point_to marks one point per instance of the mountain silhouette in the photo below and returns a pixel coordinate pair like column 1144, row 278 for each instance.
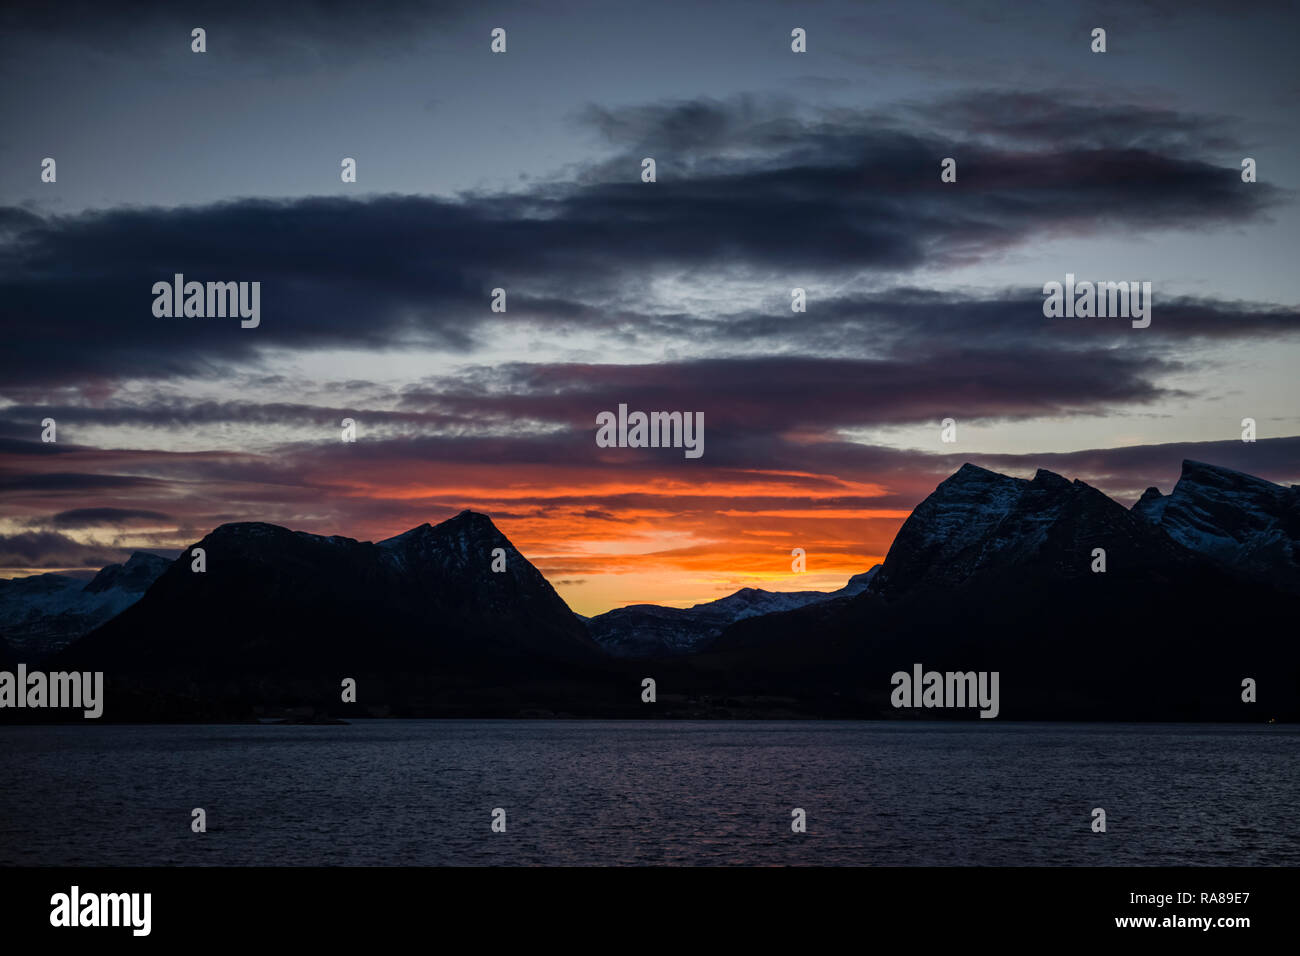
column 999, row 573
column 420, row 618
column 1087, row 610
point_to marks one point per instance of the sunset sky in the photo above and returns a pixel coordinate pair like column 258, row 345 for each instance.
column 522, row 170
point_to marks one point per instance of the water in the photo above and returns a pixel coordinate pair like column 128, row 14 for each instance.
column 663, row 792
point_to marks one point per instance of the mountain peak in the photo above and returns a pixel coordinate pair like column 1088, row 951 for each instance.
column 1233, row 518
column 980, row 523
column 470, row 519
column 1050, row 479
column 1203, row 473
column 1151, row 505
column 473, row 523
column 1192, row 466
column 411, row 534
column 139, row 571
column 968, row 472
column 247, row 527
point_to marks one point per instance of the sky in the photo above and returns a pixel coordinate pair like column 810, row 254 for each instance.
column 522, row 170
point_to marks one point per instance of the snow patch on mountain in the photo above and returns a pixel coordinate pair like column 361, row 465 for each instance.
column 46, row 612
column 1232, row 518
column 649, row 630
column 979, row 523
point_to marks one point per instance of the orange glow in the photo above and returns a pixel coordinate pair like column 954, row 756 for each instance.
column 604, row 536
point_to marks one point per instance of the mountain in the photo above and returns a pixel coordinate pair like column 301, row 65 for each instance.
column 989, row 573
column 419, row 620
column 979, row 524
column 450, row 565
column 46, row 612
column 134, row 577
column 1237, row 520
column 651, row 631
column 996, row 573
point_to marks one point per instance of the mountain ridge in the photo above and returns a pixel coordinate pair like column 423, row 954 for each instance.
column 653, row 630
column 988, row 572
column 1232, row 518
column 998, row 573
column 44, row 613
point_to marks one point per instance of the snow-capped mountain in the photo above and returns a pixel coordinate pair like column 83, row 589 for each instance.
column 278, row 603
column 459, row 554
column 996, row 573
column 978, row 522
column 649, row 630
column 1237, row 520
column 46, row 612
column 990, row 572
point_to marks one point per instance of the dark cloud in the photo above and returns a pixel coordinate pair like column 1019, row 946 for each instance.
column 111, row 517
column 21, row 446
column 908, row 320
column 181, row 414
column 763, row 394
column 1056, row 120
column 49, row 549
column 771, row 394
column 71, row 481
column 738, row 190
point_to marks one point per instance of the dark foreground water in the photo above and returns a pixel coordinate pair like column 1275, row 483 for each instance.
column 588, row 792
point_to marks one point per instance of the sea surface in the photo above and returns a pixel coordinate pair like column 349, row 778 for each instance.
column 422, row 792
